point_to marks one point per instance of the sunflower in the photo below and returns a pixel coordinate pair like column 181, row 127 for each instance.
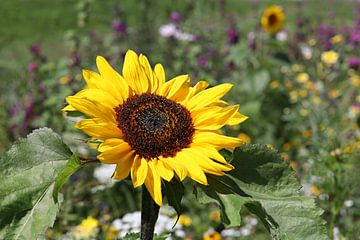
column 154, row 129
column 272, row 19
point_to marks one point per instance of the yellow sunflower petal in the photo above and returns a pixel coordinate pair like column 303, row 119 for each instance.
column 210, row 151
column 123, row 168
column 176, row 89
column 201, row 85
column 179, row 168
column 99, row 129
column 237, row 119
column 153, row 184
column 213, row 118
column 139, row 171
column 115, row 154
column 217, row 140
column 110, row 143
column 92, row 108
column 194, row 171
column 98, row 95
column 164, row 170
column 153, row 80
column 113, row 79
column 160, row 73
column 134, row 74
column 92, row 79
column 208, row 165
column 208, row 96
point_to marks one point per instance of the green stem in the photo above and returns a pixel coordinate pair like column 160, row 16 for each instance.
column 149, row 215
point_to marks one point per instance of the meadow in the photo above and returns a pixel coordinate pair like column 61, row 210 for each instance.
column 295, row 71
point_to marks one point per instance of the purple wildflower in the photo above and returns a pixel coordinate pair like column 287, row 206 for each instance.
column 119, row 26
column 203, row 61
column 354, row 62
column 75, row 59
column 32, row 67
column 35, row 49
column 176, row 17
column 232, row 35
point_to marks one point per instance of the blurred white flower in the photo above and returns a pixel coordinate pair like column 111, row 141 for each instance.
column 168, row 30
column 231, row 233
column 306, row 52
column 183, row 36
column 282, row 36
column 171, row 30
column 349, row 203
column 104, row 172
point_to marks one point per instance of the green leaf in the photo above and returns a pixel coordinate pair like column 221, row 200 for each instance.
column 174, row 191
column 264, row 183
column 28, row 174
column 131, row 236
column 71, row 166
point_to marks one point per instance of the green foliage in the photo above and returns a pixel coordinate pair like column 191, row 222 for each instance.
column 70, row 167
column 264, row 183
column 174, row 192
column 28, row 177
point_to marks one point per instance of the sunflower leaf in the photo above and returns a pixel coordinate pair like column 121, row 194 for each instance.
column 174, row 191
column 264, row 183
column 28, row 174
column 71, row 166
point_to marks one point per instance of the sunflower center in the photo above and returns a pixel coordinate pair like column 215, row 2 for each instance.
column 154, row 126
column 272, row 19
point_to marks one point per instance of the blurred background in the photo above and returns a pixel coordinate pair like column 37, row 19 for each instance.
column 295, row 71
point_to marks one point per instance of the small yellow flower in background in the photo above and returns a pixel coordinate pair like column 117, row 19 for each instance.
column 297, row 68
column 285, row 156
column 274, row 84
column 355, row 80
column 316, row 100
column 315, row 190
column 270, row 146
column 294, row 165
column 336, row 39
column 293, row 96
column 287, row 145
column 304, row 112
column 312, row 41
column 303, row 93
column 212, row 236
column 86, row 229
column 152, row 129
column 111, row 233
column 289, row 85
column 333, row 94
column 185, row 220
column 244, row 138
column 273, row 19
column 78, row 77
column 306, row 133
column 302, row 77
column 64, row 80
column 215, row 215
column 329, row 57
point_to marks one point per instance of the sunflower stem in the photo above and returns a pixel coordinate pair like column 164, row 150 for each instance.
column 149, row 215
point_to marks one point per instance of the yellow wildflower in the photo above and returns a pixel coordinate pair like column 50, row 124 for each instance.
column 64, row 80
column 244, row 138
column 211, row 236
column 336, row 39
column 329, row 57
column 86, row 229
column 302, row 77
column 185, row 220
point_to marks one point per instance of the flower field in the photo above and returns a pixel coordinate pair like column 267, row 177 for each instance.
column 210, row 120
